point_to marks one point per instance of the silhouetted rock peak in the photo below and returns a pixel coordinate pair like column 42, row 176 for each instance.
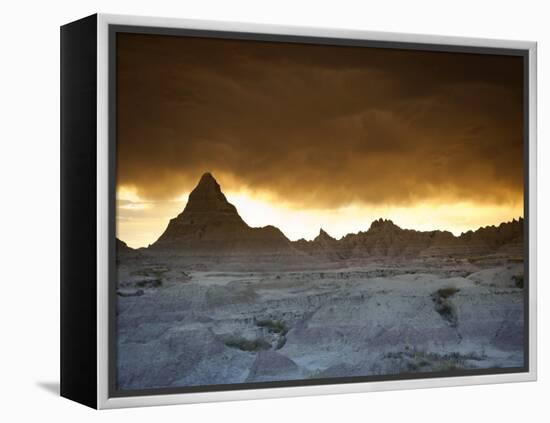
column 210, row 223
column 208, row 182
column 122, row 247
column 208, row 197
column 383, row 225
column 323, row 236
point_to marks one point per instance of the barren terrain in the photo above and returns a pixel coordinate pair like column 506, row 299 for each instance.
column 182, row 327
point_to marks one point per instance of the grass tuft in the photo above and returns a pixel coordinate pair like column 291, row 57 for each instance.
column 442, row 305
column 518, row 281
column 244, row 344
column 273, row 326
column 447, row 292
column 149, row 283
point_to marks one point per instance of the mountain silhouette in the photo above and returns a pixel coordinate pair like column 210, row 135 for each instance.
column 385, row 239
column 209, row 223
column 122, row 247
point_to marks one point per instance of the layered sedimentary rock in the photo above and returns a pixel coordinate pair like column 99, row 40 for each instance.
column 385, row 239
column 323, row 246
column 210, row 224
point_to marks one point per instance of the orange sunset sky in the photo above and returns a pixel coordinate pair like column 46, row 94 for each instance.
column 306, row 136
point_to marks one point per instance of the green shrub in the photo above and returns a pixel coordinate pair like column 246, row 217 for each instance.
column 518, row 280
column 157, row 271
column 446, row 311
column 447, row 292
column 149, row 283
column 281, row 343
column 244, row 344
column 273, row 326
column 442, row 305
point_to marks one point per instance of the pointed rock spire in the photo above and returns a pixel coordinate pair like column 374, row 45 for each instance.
column 323, row 236
column 208, row 197
column 210, row 223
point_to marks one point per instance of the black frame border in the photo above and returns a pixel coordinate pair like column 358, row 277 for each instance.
column 78, row 211
column 114, row 29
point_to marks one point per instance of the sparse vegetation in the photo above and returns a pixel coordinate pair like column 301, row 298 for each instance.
column 518, row 281
column 421, row 361
column 281, row 342
column 316, row 374
column 185, row 277
column 446, row 311
column 447, row 292
column 244, row 344
column 442, row 305
column 273, row 326
column 156, row 271
column 149, row 283
column 137, row 293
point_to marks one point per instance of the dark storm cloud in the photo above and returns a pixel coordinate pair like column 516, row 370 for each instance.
column 317, row 125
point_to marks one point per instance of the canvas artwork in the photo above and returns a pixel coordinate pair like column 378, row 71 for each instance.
column 298, row 213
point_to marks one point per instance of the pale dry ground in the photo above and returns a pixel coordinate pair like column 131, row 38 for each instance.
column 184, row 327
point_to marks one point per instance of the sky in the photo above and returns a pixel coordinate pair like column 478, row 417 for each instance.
column 305, row 136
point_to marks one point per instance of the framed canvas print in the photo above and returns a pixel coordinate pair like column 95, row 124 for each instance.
column 253, row 211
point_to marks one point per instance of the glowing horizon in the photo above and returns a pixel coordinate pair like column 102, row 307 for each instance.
column 140, row 222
